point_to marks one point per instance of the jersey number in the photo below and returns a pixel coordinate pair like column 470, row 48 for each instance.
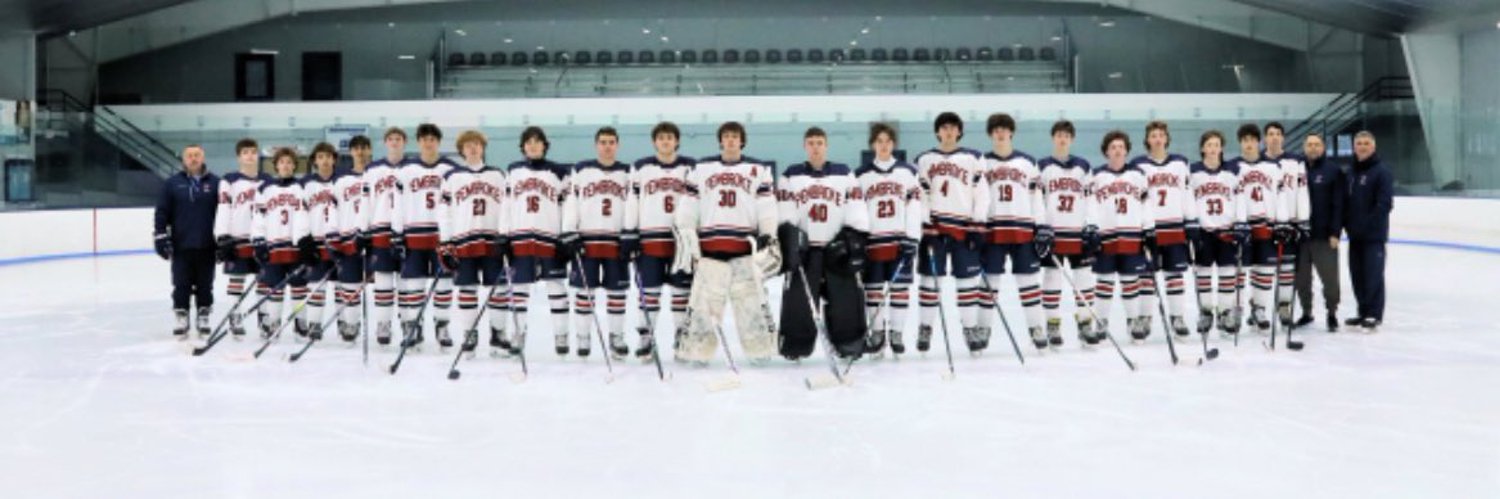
column 533, row 204
column 726, row 199
column 668, row 204
column 944, row 188
column 886, row 209
column 1005, row 193
column 1065, row 204
column 818, row 213
column 1256, row 196
column 607, row 207
column 431, row 202
column 356, row 207
column 479, row 207
column 1215, row 207
column 286, row 217
column 1161, row 197
column 1122, row 206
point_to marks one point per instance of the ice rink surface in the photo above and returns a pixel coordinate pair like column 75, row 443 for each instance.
column 98, row 401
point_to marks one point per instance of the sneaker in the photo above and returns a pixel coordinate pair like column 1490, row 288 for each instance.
column 646, row 346
column 897, row 346
column 180, row 326
column 202, row 321
column 924, row 338
column 617, row 345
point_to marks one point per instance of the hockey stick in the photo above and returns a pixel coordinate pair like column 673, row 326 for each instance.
column 646, row 317
column 885, row 290
column 520, row 344
column 364, row 308
column 1239, row 269
column 291, row 317
column 1068, row 274
column 995, row 295
column 1161, row 305
column 471, row 332
column 295, row 356
column 598, row 330
column 1276, row 298
column 248, row 291
column 408, row 338
column 822, row 327
column 220, row 333
column 942, row 315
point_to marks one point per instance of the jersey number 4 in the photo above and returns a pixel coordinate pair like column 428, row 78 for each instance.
column 818, row 213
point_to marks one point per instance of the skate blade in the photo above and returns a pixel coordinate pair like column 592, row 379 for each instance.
column 824, row 382
column 726, row 383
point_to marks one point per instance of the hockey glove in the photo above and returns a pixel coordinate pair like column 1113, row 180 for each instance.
column 1148, row 239
column 307, row 250
column 331, row 244
column 793, row 241
column 630, row 245
column 164, row 246
column 1241, row 234
column 447, row 254
column 1043, row 240
column 908, row 248
column 262, row 252
column 224, row 248
column 502, row 248
column 1193, row 231
column 1284, row 233
column 1092, row 243
column 398, row 246
column 361, row 242
column 571, row 245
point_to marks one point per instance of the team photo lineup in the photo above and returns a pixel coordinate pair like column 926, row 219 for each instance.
column 400, row 238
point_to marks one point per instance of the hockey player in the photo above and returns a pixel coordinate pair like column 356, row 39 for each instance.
column 1220, row 212
column 594, row 225
column 1126, row 226
column 657, row 184
column 322, row 221
column 348, row 242
column 232, row 223
column 382, row 196
column 537, row 190
column 280, row 236
column 729, row 205
column 893, row 199
column 1016, row 203
column 419, row 181
column 957, row 200
column 1260, row 183
column 1293, row 225
column 1067, row 234
column 470, row 225
column 823, row 200
column 1168, row 196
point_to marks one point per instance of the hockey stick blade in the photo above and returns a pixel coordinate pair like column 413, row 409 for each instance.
column 824, row 381
column 722, row 384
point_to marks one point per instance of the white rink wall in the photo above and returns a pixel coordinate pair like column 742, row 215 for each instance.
column 52, row 234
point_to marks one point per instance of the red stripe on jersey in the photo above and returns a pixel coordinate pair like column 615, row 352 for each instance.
column 1261, row 232
column 726, row 245
column 244, row 251
column 1170, row 237
column 601, row 249
column 381, row 240
column 883, row 252
column 534, row 248
column 284, row 256
column 659, row 248
column 475, row 249
column 1010, row 235
column 1122, row 246
column 428, row 241
column 1068, row 247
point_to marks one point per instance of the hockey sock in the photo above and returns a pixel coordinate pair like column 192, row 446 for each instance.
column 468, row 307
column 1145, row 294
column 1176, row 293
column 616, row 308
column 583, row 311
column 929, row 298
column 412, row 297
column 970, row 294
column 1083, row 277
column 1030, row 291
column 499, row 306
column 679, row 306
column 1205, row 286
column 385, row 296
column 442, row 299
column 987, row 300
column 874, row 312
column 557, row 298
column 1052, row 283
column 1260, row 280
column 1130, row 297
column 651, row 304
column 1104, row 291
column 1227, row 283
column 900, row 301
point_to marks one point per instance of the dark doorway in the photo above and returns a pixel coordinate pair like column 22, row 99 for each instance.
column 322, row 76
column 254, row 77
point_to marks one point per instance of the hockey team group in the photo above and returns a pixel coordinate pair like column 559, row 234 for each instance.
column 421, row 232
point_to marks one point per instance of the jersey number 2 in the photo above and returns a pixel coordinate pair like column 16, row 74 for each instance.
column 886, row 209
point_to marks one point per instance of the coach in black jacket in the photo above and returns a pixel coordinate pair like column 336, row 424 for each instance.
column 184, row 234
column 1326, row 188
column 1367, row 220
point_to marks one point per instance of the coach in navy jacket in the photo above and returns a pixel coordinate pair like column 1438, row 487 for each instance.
column 184, row 234
column 1367, row 220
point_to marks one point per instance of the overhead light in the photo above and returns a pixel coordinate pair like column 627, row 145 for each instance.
column 1116, row 75
column 406, row 57
column 461, row 32
column 1056, row 38
column 390, row 25
column 539, row 47
column 878, row 18
column 507, row 40
column 665, row 39
column 72, row 33
column 854, row 43
column 864, row 31
column 1107, row 24
column 645, row 31
column 265, row 51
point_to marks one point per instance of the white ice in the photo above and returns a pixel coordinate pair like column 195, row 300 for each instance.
column 98, row 401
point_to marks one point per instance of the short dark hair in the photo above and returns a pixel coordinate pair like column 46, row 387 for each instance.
column 359, row 141
column 733, row 127
column 948, row 118
column 878, row 128
column 1248, row 130
column 1158, row 125
column 1000, row 120
column 1064, row 126
column 324, row 147
column 1112, row 136
column 814, row 132
column 245, row 143
column 1203, row 140
column 1312, row 134
column 666, row 127
column 429, row 130
column 1276, row 125
column 395, row 130
column 534, row 132
column 606, row 130
column 283, row 152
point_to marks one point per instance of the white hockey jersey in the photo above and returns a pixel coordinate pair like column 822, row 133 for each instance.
column 280, row 219
column 352, row 208
column 727, row 203
column 1294, row 194
column 597, row 207
column 893, row 202
column 421, row 187
column 655, row 190
column 954, row 191
column 1217, row 204
column 534, row 205
column 1168, row 196
column 472, row 214
column 821, row 202
column 237, row 208
column 382, row 195
column 1260, row 184
column 1016, row 202
column 1119, row 208
column 1065, row 193
column 322, row 210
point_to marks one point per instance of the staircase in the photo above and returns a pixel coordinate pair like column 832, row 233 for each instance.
column 140, row 148
column 92, row 157
column 1349, row 112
